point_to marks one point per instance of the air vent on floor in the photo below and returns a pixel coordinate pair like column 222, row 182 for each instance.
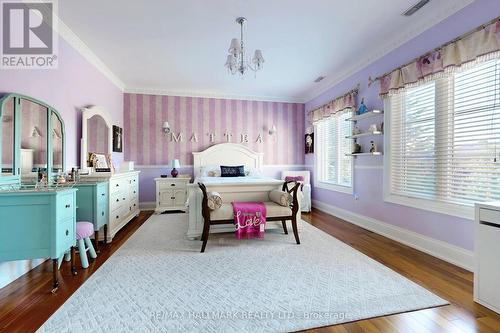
column 319, row 79
column 412, row 10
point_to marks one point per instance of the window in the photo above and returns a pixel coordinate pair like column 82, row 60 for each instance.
column 444, row 140
column 333, row 164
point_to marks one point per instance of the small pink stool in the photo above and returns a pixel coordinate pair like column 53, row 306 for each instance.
column 83, row 232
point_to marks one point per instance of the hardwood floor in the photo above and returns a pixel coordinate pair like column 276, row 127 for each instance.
column 27, row 302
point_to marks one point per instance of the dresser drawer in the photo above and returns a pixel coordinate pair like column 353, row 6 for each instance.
column 66, row 234
column 66, row 206
column 118, row 185
column 171, row 185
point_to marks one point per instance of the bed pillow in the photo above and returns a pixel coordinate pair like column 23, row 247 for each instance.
column 214, row 200
column 210, row 171
column 282, row 198
column 232, row 171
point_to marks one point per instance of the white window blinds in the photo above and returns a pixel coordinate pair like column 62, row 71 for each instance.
column 444, row 137
column 333, row 166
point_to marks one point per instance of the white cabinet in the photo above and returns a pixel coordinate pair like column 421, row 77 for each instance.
column 123, row 202
column 171, row 194
column 487, row 249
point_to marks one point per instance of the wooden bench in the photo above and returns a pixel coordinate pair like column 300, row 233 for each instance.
column 274, row 212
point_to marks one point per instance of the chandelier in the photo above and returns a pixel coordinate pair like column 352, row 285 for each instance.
column 236, row 62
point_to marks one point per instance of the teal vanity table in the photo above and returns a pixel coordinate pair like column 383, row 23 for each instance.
column 35, row 222
column 92, row 198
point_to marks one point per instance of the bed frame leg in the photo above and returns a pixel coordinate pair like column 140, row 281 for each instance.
column 295, row 230
column 283, row 223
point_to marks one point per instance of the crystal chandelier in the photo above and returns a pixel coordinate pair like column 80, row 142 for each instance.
column 236, row 62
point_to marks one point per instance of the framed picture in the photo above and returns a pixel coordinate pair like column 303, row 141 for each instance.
column 309, row 143
column 100, row 162
column 117, row 139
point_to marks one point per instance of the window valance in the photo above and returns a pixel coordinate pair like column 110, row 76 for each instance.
column 481, row 44
column 340, row 103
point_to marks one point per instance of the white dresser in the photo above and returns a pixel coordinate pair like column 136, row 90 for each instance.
column 487, row 255
column 171, row 194
column 123, row 203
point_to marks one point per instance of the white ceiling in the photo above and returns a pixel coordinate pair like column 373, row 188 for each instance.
column 179, row 47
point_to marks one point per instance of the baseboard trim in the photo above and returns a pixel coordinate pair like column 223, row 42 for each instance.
column 147, row 205
column 436, row 248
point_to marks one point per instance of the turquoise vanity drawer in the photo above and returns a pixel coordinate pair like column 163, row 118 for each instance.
column 102, row 215
column 65, row 234
column 65, row 206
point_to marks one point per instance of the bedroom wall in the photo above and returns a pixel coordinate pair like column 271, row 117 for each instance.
column 147, row 145
column 368, row 171
column 75, row 84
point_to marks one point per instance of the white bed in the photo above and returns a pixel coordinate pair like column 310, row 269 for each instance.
column 249, row 188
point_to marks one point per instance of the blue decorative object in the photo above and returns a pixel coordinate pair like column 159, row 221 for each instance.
column 362, row 107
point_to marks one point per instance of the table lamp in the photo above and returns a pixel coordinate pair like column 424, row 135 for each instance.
column 175, row 165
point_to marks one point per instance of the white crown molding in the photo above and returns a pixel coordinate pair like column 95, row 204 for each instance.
column 187, row 166
column 385, row 49
column 436, row 248
column 212, row 94
column 84, row 50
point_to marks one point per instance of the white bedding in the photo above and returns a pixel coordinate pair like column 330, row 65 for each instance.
column 236, row 180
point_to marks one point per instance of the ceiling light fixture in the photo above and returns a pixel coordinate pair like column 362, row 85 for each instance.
column 236, row 62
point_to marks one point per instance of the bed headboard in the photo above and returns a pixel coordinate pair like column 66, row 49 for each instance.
column 227, row 154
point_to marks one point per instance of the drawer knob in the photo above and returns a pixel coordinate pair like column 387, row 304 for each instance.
column 134, row 205
column 117, row 216
column 172, row 197
column 130, row 208
column 123, row 198
column 67, row 232
column 117, row 185
column 102, row 213
column 117, row 200
column 68, row 205
column 134, row 192
column 172, row 184
column 103, row 194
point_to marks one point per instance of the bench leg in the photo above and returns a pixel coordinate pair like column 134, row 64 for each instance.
column 295, row 230
column 204, row 236
column 283, row 223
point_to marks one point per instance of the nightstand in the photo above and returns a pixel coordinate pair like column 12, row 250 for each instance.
column 171, row 194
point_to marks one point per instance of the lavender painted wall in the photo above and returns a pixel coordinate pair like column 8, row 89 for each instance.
column 368, row 172
column 147, row 145
column 75, row 84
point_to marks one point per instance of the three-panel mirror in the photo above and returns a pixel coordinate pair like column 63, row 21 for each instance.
column 32, row 138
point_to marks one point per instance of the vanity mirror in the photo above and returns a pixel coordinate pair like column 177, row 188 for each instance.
column 32, row 138
column 96, row 143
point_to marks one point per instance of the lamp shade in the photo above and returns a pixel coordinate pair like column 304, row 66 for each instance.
column 258, row 56
column 235, row 47
column 175, row 164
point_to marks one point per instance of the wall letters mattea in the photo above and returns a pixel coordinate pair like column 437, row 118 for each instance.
column 227, row 137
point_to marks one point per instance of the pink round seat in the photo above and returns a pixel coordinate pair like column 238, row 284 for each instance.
column 84, row 230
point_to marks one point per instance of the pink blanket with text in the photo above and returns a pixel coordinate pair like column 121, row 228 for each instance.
column 249, row 219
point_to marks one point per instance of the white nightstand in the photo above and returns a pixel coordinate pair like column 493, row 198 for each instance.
column 171, row 194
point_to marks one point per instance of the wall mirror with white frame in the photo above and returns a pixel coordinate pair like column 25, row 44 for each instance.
column 96, row 134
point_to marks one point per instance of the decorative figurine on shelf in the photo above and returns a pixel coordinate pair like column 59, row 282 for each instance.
column 362, row 107
column 373, row 147
column 356, row 130
column 175, row 165
column 356, row 147
column 374, row 128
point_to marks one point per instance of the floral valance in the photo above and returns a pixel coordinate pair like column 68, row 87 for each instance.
column 473, row 46
column 337, row 105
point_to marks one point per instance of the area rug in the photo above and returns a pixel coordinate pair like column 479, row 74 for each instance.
column 159, row 282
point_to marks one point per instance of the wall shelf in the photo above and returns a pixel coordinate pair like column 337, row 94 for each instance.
column 366, row 115
column 364, row 134
column 378, row 153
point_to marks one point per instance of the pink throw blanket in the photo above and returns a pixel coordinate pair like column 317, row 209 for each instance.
column 249, row 219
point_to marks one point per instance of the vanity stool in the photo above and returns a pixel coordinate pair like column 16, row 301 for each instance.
column 83, row 232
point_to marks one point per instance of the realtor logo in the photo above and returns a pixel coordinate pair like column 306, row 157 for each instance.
column 29, row 38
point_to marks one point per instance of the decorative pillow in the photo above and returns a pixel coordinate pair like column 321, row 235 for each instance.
column 282, row 198
column 251, row 171
column 210, row 171
column 232, row 171
column 214, row 200
column 294, row 179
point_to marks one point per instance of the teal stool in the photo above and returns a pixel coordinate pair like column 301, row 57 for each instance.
column 83, row 232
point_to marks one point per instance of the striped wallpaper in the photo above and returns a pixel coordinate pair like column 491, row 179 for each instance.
column 146, row 144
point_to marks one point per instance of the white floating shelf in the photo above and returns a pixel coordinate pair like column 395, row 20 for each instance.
column 364, row 134
column 370, row 114
column 378, row 153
